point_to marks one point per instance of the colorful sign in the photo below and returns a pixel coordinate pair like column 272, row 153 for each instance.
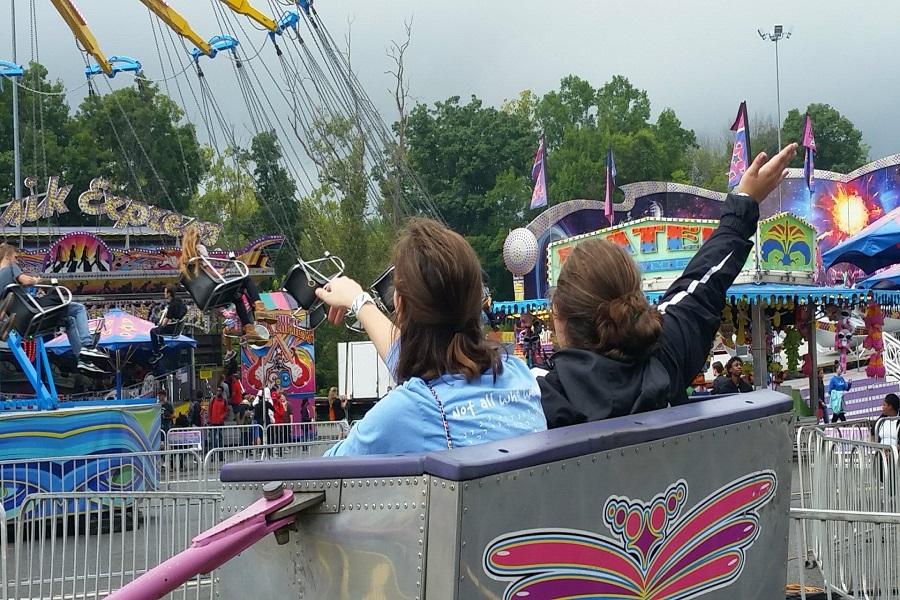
column 787, row 243
column 35, row 445
column 126, row 212
column 288, row 359
column 97, row 200
column 662, row 548
column 662, row 248
column 78, row 253
column 87, row 265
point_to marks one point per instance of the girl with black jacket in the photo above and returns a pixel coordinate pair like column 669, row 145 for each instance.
column 619, row 354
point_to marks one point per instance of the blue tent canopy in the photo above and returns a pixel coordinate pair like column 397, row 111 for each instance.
column 889, row 279
column 875, row 247
column 752, row 292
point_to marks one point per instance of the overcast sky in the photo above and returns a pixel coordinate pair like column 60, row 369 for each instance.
column 698, row 57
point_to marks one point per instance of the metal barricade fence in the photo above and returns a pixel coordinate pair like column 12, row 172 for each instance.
column 316, row 431
column 216, row 458
column 230, row 436
column 856, row 555
column 212, row 436
column 859, row 429
column 87, row 544
column 4, row 589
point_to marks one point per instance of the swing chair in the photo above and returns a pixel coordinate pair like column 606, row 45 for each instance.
column 213, row 287
column 26, row 316
column 304, row 279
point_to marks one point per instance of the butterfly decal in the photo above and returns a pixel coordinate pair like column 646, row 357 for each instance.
column 658, row 551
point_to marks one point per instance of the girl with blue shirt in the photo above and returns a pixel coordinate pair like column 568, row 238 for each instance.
column 455, row 388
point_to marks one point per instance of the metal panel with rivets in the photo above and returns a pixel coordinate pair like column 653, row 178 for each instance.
column 366, row 540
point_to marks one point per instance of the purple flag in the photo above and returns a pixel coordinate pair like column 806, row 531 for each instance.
column 610, row 187
column 539, row 176
column 809, row 142
column 740, row 156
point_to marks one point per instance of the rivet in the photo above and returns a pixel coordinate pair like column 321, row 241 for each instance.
column 452, row 487
column 443, row 484
column 381, row 506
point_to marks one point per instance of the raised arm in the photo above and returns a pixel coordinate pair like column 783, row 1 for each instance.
column 692, row 306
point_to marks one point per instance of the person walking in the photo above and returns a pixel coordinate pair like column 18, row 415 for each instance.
column 837, row 387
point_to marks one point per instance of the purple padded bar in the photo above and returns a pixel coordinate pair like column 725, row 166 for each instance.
column 483, row 460
column 339, row 467
column 493, row 458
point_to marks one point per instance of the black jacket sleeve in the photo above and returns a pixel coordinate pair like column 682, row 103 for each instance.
column 692, row 306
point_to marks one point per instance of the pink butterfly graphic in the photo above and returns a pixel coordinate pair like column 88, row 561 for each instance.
column 658, row 552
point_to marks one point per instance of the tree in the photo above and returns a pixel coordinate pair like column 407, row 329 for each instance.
column 839, row 144
column 275, row 192
column 135, row 137
column 44, row 122
column 622, row 108
column 460, row 150
column 228, row 198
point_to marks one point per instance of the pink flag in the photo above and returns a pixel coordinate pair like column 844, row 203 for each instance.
column 539, row 176
column 740, row 156
column 610, row 187
column 809, row 142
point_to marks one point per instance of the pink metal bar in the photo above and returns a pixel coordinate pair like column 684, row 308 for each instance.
column 209, row 550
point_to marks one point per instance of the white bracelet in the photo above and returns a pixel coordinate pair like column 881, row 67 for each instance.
column 361, row 300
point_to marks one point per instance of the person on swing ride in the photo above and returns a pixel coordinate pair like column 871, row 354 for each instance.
column 77, row 329
column 192, row 248
column 455, row 388
column 619, row 355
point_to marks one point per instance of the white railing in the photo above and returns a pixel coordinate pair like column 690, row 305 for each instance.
column 4, row 589
column 891, row 356
column 859, row 479
column 88, row 544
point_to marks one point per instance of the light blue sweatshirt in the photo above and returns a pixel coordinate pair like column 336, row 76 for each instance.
column 408, row 420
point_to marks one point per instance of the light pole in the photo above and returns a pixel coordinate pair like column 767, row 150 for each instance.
column 776, row 35
column 17, row 158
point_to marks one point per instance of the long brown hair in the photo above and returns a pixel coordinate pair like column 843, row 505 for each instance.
column 598, row 297
column 438, row 280
column 189, row 242
column 7, row 252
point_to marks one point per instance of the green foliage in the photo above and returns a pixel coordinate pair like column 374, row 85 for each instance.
column 229, row 198
column 838, row 143
column 275, row 193
column 134, row 137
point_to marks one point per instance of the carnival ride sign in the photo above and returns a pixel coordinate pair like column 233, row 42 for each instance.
column 36, row 206
column 662, row 248
column 99, row 200
column 96, row 201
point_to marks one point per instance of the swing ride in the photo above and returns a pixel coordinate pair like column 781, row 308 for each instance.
column 506, row 519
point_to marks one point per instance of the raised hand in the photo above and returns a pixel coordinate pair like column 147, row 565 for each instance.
column 764, row 174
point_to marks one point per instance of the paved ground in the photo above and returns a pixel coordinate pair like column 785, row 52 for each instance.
column 813, row 576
